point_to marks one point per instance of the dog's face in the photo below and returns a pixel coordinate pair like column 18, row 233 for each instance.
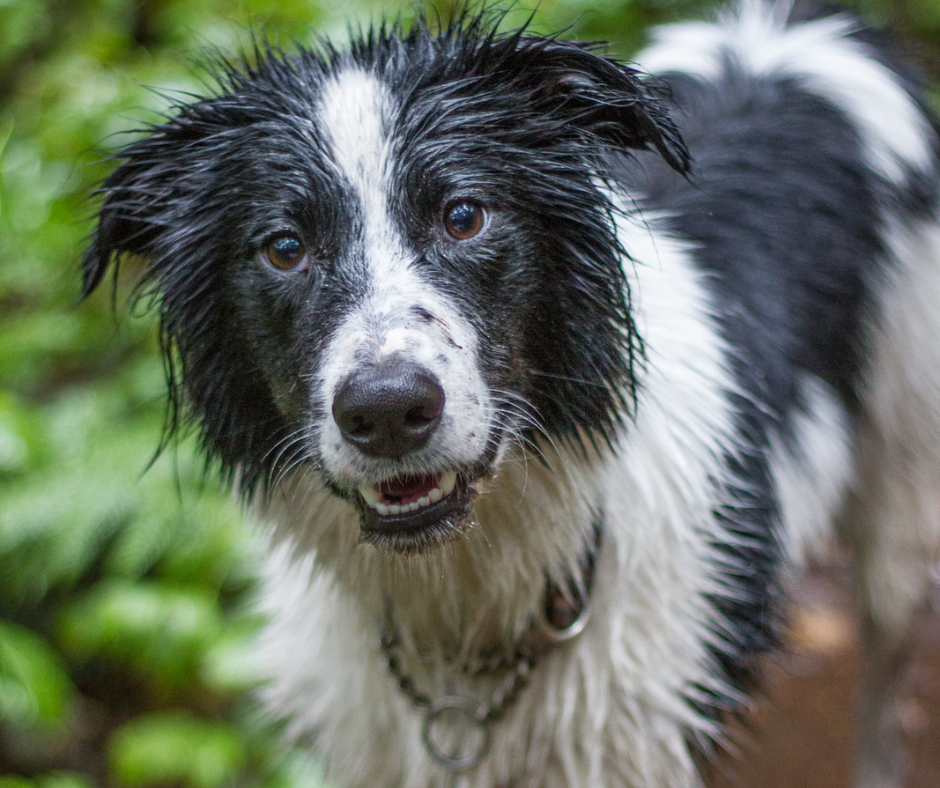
column 389, row 264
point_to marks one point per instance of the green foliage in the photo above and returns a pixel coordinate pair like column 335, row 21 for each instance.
column 35, row 689
column 175, row 748
column 125, row 585
column 49, row 780
column 158, row 630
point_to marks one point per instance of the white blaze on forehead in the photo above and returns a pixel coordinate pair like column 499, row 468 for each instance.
column 354, row 110
column 357, row 113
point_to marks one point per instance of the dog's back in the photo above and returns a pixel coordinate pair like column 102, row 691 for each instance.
column 814, row 212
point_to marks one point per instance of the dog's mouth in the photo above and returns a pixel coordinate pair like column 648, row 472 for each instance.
column 408, row 495
column 411, row 512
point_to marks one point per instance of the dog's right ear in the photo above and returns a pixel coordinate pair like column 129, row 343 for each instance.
column 139, row 199
column 117, row 231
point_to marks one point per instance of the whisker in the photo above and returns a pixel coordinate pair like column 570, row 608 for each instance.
column 581, row 381
column 524, row 413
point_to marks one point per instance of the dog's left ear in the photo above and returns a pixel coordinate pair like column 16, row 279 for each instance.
column 610, row 103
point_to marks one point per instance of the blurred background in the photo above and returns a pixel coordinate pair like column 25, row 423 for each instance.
column 125, row 583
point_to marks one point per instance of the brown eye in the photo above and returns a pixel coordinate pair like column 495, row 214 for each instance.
column 286, row 252
column 463, row 219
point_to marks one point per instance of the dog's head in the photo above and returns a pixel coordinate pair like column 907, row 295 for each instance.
column 390, row 263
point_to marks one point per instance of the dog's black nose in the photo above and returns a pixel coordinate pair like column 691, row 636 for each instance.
column 389, row 410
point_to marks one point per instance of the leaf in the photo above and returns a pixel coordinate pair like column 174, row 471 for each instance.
column 175, row 748
column 14, row 781
column 35, row 690
column 21, row 440
column 157, row 630
column 62, row 780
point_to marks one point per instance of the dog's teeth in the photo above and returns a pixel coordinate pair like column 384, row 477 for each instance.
column 370, row 494
column 447, row 483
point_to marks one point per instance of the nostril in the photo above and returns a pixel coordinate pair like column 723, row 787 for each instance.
column 360, row 426
column 420, row 416
column 429, row 401
column 389, row 410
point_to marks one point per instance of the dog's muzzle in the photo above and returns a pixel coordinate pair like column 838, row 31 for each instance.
column 391, row 411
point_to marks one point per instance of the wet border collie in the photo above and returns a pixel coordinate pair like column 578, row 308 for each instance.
column 547, row 370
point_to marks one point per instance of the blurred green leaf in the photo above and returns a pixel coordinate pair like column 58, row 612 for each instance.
column 175, row 748
column 21, row 22
column 63, row 780
column 230, row 663
column 13, row 781
column 35, row 690
column 51, row 780
column 160, row 631
column 22, row 443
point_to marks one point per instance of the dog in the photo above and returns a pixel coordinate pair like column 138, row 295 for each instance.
column 548, row 372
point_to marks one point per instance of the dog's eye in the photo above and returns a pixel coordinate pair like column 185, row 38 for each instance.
column 286, row 253
column 463, row 219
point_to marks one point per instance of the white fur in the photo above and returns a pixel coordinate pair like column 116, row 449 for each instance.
column 896, row 519
column 894, row 132
column 812, row 473
column 355, row 111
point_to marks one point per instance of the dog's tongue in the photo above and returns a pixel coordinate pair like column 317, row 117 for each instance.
column 407, row 490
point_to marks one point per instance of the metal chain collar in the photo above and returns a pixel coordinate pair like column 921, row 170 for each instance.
column 563, row 616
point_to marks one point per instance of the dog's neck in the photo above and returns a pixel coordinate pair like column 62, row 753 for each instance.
column 478, row 593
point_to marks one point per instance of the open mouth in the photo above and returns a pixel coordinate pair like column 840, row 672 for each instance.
column 402, row 496
column 410, row 512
